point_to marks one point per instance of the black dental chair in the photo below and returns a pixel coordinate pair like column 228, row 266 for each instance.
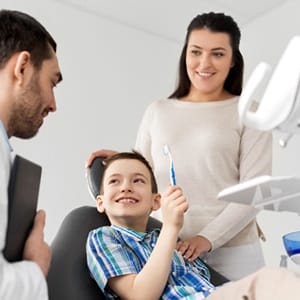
column 69, row 278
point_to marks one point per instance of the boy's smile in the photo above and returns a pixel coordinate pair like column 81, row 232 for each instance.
column 127, row 200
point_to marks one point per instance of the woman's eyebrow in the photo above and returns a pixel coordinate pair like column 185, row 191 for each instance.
column 212, row 49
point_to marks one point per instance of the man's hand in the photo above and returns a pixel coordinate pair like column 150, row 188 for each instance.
column 36, row 249
column 193, row 247
column 99, row 153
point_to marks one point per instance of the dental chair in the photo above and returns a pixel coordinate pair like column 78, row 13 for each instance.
column 69, row 277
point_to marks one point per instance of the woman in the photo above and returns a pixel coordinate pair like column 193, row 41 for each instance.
column 211, row 149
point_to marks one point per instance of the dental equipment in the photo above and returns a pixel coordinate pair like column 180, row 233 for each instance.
column 279, row 109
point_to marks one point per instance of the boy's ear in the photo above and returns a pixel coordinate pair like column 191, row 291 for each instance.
column 99, row 202
column 156, row 202
column 23, row 61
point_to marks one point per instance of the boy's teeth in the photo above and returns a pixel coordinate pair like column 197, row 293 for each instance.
column 127, row 200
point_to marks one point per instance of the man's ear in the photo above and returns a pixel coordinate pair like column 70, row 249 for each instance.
column 156, row 201
column 23, row 61
column 99, row 202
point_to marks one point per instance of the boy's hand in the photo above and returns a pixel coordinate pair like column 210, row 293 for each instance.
column 173, row 205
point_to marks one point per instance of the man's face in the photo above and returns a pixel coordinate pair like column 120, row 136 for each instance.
column 35, row 100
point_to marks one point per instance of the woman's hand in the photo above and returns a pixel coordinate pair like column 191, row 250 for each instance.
column 193, row 247
column 99, row 153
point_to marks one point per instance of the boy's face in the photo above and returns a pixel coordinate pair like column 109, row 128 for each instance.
column 127, row 194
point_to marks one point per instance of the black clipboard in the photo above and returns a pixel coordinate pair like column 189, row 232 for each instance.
column 23, row 191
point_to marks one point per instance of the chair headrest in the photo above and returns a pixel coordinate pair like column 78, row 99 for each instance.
column 94, row 176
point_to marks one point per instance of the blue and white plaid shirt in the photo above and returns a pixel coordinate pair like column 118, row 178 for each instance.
column 113, row 251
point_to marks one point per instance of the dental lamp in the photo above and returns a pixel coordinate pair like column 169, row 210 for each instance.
column 279, row 107
column 279, row 110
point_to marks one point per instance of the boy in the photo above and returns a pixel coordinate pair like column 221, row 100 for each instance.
column 127, row 261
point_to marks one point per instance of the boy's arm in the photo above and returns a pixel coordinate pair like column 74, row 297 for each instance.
column 150, row 282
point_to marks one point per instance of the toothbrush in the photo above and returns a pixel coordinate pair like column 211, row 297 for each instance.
column 166, row 151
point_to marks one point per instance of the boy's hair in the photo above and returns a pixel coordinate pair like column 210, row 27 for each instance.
column 130, row 155
column 21, row 32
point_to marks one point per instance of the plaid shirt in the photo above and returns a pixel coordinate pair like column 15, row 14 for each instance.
column 113, row 251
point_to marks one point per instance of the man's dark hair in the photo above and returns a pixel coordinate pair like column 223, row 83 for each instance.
column 131, row 155
column 21, row 32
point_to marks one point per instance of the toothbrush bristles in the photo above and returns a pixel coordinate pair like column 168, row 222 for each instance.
column 167, row 152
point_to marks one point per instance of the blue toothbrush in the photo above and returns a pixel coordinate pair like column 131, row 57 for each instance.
column 166, row 151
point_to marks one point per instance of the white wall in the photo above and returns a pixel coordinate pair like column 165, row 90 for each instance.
column 265, row 40
column 111, row 73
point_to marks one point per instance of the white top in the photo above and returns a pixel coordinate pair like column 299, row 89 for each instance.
column 211, row 150
column 22, row 280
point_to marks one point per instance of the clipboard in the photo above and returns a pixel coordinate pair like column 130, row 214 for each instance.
column 23, row 191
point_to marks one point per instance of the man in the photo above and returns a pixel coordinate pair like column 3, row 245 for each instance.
column 29, row 71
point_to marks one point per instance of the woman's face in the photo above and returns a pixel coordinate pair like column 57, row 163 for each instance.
column 208, row 62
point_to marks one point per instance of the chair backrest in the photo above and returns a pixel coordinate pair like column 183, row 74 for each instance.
column 69, row 277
